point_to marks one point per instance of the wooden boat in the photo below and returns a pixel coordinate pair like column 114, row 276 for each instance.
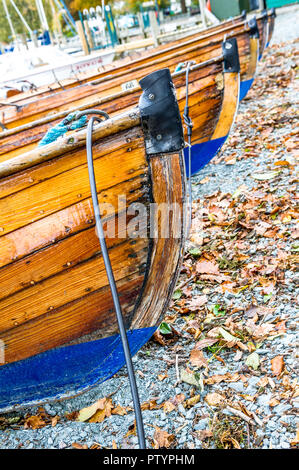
column 78, row 77
column 58, row 329
column 198, row 47
column 213, row 99
column 46, row 74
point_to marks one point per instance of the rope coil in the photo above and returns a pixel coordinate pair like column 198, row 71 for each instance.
column 71, row 122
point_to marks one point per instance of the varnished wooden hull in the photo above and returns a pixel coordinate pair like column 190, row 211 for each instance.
column 209, row 87
column 199, row 48
column 80, row 77
column 54, row 289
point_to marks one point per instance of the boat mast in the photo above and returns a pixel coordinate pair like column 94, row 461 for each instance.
column 14, row 36
column 24, row 22
column 43, row 19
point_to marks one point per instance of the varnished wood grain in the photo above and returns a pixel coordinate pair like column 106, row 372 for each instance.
column 59, row 290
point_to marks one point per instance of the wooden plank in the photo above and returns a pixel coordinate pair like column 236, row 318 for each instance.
column 111, row 146
column 88, row 314
column 62, row 190
column 71, row 284
column 75, row 247
column 69, row 221
column 229, row 106
column 67, row 144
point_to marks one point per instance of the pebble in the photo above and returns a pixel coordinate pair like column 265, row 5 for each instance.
column 202, row 424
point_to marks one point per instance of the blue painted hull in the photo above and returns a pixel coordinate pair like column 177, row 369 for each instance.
column 202, row 153
column 245, row 87
column 65, row 371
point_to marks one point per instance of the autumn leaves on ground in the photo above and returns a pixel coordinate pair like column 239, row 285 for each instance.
column 235, row 300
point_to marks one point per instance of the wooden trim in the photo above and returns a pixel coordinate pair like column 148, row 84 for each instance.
column 229, row 106
column 254, row 58
column 41, row 154
column 169, row 186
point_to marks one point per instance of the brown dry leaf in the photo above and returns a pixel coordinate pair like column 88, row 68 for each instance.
column 149, row 405
column 168, row 406
column 34, row 422
column 162, row 439
column 119, row 410
column 98, row 417
column 207, row 267
column 72, row 416
column 104, row 410
column 197, row 358
column 263, row 382
column 248, row 397
column 205, row 434
column 277, row 365
column 295, row 441
column 238, row 356
column 228, row 377
column 89, row 411
column 114, row 445
column 76, row 445
column 204, row 343
column 273, row 402
column 54, row 421
column 162, row 376
column 157, row 336
column 214, row 399
column 197, row 302
column 178, row 399
column 192, row 401
column 132, row 430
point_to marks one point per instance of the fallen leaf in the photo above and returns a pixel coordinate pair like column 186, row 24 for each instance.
column 192, row 401
column 205, row 434
column 204, row 343
column 119, row 410
column 214, row 399
column 197, row 358
column 267, row 175
column 226, row 335
column 295, row 441
column 76, row 445
column 162, row 439
column 34, row 422
column 207, row 267
column 189, row 377
column 197, row 302
column 168, row 406
column 253, row 360
column 277, row 364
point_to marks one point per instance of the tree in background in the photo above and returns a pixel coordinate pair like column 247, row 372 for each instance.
column 28, row 10
column 130, row 6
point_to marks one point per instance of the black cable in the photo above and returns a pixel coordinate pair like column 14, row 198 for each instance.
column 114, row 292
column 189, row 124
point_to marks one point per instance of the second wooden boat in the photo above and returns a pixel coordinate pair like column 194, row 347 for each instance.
column 196, row 48
column 212, row 89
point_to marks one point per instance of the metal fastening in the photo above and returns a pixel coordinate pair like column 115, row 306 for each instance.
column 228, row 45
column 159, row 137
column 151, row 96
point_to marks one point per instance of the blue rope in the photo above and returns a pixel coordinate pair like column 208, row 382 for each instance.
column 180, row 66
column 70, row 123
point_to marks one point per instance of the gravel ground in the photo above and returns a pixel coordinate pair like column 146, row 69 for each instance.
column 262, row 404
